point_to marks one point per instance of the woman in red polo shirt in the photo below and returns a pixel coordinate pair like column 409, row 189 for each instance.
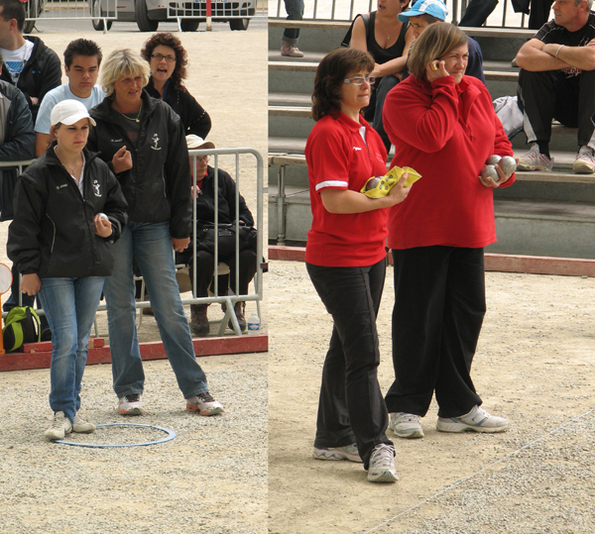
column 346, row 260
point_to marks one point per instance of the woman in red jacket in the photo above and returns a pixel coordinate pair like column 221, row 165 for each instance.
column 442, row 124
column 346, row 260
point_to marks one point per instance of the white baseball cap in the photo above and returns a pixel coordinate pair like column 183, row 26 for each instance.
column 195, row 141
column 68, row 112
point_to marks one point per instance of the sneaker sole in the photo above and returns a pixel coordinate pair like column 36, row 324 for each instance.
column 386, row 475
column 334, row 456
column 409, row 433
column 131, row 411
column 580, row 167
column 462, row 427
column 83, row 430
column 196, row 409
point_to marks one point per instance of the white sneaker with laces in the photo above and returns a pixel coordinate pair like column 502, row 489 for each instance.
column 382, row 464
column 61, row 426
column 477, row 420
column 584, row 162
column 534, row 161
column 290, row 50
column 348, row 452
column 405, row 425
column 205, row 404
column 130, row 404
column 81, row 426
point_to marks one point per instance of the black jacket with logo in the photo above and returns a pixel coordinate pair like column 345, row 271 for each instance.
column 53, row 232
column 41, row 73
column 157, row 188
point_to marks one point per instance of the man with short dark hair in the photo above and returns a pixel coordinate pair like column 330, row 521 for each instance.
column 557, row 81
column 28, row 63
column 82, row 59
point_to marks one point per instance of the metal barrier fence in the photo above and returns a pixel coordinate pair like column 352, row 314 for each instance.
column 102, row 13
column 229, row 299
column 345, row 10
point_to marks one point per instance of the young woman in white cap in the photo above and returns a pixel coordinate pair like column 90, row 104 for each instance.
column 68, row 208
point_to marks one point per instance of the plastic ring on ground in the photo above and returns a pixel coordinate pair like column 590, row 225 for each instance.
column 170, row 435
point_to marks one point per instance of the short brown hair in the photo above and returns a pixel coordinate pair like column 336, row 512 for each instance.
column 435, row 41
column 331, row 72
column 170, row 40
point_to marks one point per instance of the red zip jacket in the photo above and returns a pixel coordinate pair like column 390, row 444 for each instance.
column 446, row 132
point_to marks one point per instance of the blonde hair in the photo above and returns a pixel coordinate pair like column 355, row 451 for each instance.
column 122, row 63
column 435, row 42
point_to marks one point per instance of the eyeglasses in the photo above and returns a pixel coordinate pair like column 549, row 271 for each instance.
column 202, row 159
column 159, row 57
column 359, row 80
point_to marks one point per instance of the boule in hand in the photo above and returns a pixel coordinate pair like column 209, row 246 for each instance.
column 373, row 182
column 508, row 165
column 490, row 171
column 103, row 216
column 493, row 160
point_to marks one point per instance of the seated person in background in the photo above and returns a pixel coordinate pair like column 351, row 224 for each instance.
column 16, row 144
column 426, row 12
column 168, row 60
column 557, row 81
column 81, row 65
column 388, row 39
column 205, row 215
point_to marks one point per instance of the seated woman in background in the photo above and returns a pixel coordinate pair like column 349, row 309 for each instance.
column 205, row 218
column 387, row 39
column 168, row 60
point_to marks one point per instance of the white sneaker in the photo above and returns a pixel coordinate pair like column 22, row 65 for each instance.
column 81, row 426
column 290, row 50
column 349, row 453
column 382, row 464
column 405, row 425
column 205, row 404
column 130, row 405
column 584, row 162
column 477, row 420
column 534, row 161
column 61, row 426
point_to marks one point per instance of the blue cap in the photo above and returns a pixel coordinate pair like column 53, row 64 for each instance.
column 435, row 8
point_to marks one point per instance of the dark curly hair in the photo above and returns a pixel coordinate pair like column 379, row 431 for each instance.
column 169, row 39
column 332, row 70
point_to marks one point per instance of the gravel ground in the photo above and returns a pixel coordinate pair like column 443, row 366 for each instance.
column 534, row 365
column 213, row 476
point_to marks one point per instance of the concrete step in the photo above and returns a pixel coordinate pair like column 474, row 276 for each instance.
column 523, row 226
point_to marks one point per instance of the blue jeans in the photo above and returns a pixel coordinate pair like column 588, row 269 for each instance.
column 150, row 244
column 70, row 305
column 295, row 11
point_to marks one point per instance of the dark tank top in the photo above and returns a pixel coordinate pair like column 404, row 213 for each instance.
column 382, row 55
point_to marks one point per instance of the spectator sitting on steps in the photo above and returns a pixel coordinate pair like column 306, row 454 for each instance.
column 557, row 81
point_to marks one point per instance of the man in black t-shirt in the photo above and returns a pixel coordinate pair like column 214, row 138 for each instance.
column 557, row 81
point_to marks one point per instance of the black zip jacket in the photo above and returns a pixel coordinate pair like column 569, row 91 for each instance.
column 194, row 117
column 41, row 73
column 157, row 188
column 53, row 233
column 205, row 203
column 17, row 141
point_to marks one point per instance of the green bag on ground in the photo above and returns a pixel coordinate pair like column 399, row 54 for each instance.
column 22, row 325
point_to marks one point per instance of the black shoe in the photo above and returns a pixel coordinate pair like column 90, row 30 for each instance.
column 239, row 311
column 199, row 323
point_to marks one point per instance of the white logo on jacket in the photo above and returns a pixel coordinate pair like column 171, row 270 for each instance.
column 156, row 142
column 96, row 188
column 356, row 148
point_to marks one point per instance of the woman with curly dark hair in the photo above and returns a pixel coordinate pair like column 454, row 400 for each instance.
column 168, row 60
column 346, row 261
